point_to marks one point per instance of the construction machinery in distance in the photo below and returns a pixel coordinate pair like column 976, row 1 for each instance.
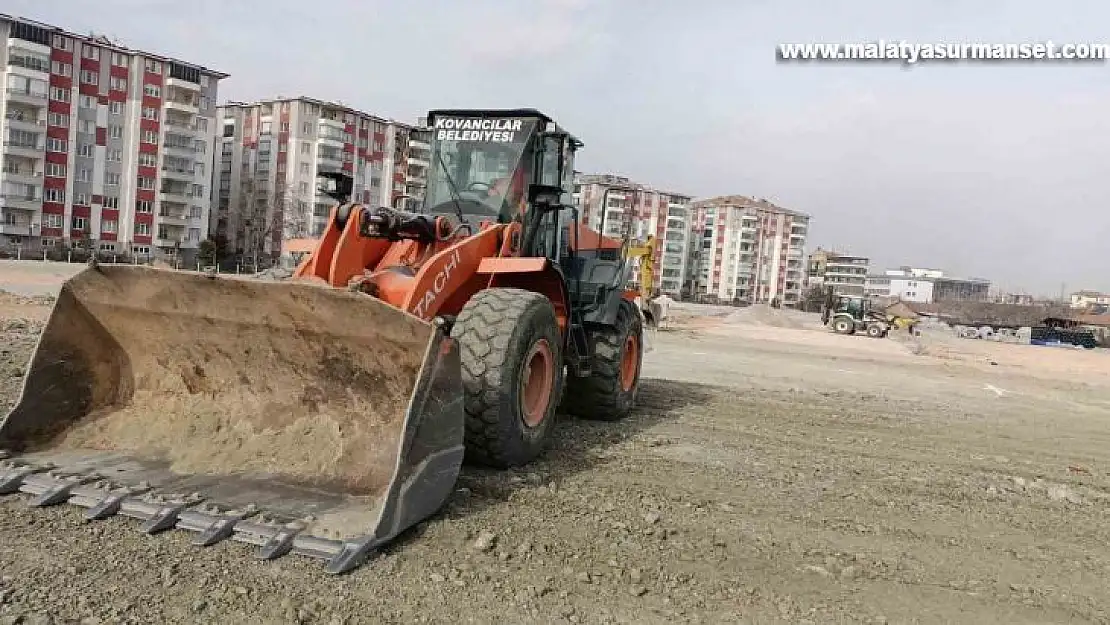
column 325, row 414
column 851, row 314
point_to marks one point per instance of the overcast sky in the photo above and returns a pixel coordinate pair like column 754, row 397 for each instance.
column 987, row 170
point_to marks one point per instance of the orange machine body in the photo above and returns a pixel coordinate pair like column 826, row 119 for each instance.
column 439, row 277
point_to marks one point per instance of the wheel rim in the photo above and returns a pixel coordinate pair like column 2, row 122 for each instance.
column 630, row 362
column 537, row 382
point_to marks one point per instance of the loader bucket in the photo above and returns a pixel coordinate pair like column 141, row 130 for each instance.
column 288, row 415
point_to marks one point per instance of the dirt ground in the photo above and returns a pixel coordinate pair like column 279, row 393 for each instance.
column 774, row 472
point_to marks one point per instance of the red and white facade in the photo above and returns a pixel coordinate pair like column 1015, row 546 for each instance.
column 640, row 210
column 103, row 145
column 271, row 151
column 750, row 250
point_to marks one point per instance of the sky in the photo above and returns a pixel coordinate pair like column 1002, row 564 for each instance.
column 988, row 170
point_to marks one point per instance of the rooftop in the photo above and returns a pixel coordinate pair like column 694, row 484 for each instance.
column 749, row 202
column 104, row 42
column 321, row 103
column 625, row 184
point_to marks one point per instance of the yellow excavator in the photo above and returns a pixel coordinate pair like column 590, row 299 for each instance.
column 326, row 414
column 644, row 285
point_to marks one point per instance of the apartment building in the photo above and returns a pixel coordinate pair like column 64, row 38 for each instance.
column 748, row 250
column 272, row 151
column 615, row 205
column 846, row 273
column 105, row 147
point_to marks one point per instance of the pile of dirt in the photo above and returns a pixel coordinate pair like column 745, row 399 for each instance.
column 766, row 316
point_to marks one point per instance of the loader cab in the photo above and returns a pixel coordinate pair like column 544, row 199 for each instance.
column 482, row 162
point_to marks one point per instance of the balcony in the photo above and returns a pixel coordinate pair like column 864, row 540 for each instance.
column 179, row 83
column 180, row 149
column 181, row 127
column 24, row 174
column 26, row 96
column 174, row 195
column 326, row 160
column 22, row 201
column 183, row 106
column 20, row 229
column 22, row 148
column 168, row 214
column 24, row 121
column 176, row 173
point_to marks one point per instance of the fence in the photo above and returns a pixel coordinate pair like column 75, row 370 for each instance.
column 81, row 255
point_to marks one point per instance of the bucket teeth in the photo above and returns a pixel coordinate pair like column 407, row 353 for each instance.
column 102, row 498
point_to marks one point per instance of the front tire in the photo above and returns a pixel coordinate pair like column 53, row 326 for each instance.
column 512, row 369
column 843, row 325
column 609, row 393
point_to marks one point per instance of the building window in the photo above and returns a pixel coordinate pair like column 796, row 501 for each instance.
column 53, row 220
column 57, row 145
column 108, row 227
column 89, row 78
column 119, row 60
column 111, row 201
column 84, row 175
column 54, row 195
column 87, row 102
column 146, row 183
column 150, row 136
column 153, row 91
column 111, row 179
column 152, row 66
column 117, row 83
column 59, row 95
column 62, row 43
column 85, row 149
column 81, row 199
column 142, row 229
column 55, row 170
column 115, row 131
column 89, row 52
column 143, row 206
column 61, row 69
column 115, row 155
column 115, row 108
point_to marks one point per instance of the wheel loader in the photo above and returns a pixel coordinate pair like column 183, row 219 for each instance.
column 326, row 414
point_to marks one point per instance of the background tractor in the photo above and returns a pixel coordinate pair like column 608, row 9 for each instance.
column 851, row 314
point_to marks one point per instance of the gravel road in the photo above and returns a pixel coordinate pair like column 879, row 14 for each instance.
column 773, row 473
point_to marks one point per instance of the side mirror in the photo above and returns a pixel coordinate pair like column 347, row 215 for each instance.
column 545, row 196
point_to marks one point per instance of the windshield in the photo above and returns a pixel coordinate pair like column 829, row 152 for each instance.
column 488, row 162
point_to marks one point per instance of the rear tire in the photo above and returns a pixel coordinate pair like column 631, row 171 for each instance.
column 609, row 393
column 509, row 412
column 875, row 331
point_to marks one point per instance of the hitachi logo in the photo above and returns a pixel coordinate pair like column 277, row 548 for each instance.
column 439, row 283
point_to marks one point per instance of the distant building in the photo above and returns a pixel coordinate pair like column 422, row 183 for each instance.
column 103, row 145
column 1088, row 299
column 271, row 152
column 926, row 286
column 640, row 210
column 749, row 249
column 846, row 273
